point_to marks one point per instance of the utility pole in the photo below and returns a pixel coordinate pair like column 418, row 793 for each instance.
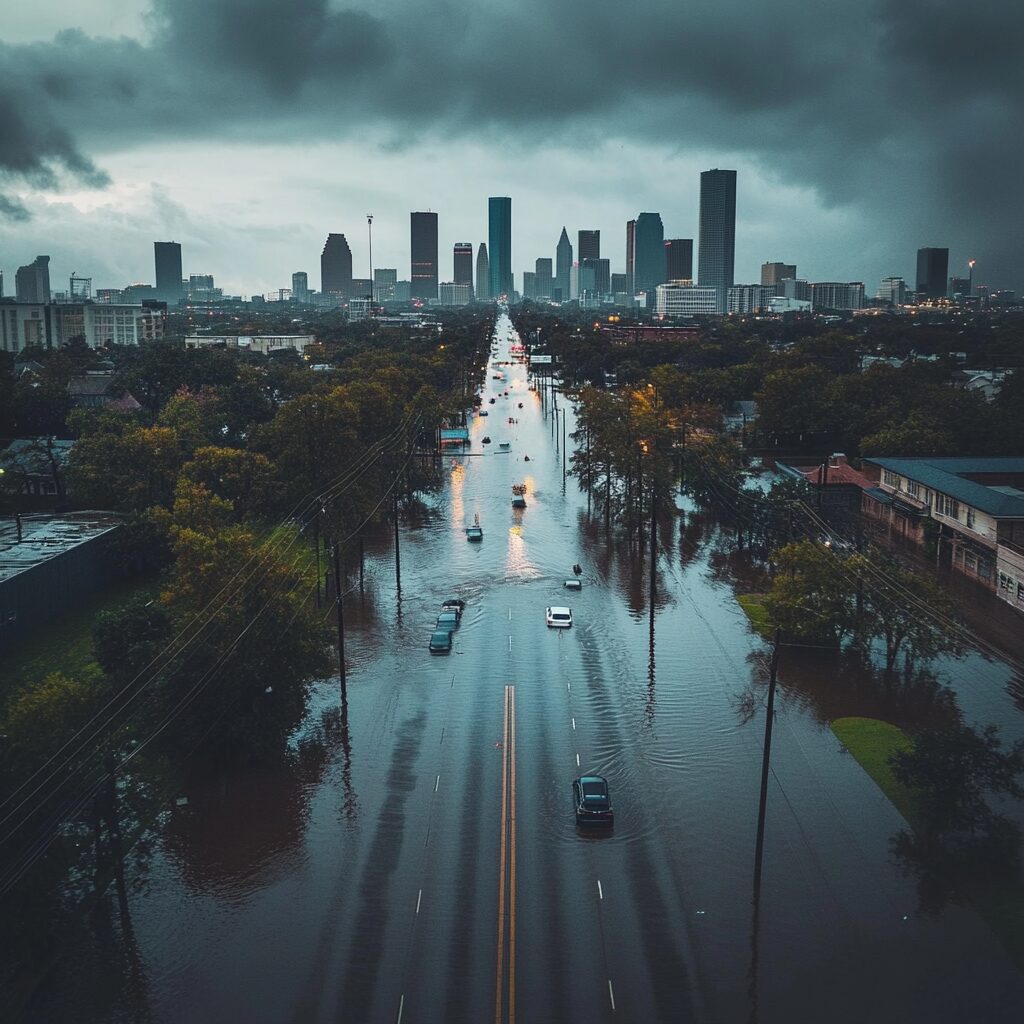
column 398, row 553
column 654, row 548
column 765, row 764
column 341, row 621
column 565, row 451
column 369, row 233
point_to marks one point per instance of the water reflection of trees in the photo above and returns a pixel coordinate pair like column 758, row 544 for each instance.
column 242, row 830
column 831, row 684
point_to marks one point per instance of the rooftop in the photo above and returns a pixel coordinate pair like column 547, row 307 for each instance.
column 45, row 536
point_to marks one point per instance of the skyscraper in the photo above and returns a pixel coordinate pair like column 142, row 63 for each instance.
column 776, row 273
column 483, row 273
column 300, row 286
column 678, row 259
column 932, row 269
column 462, row 264
column 588, row 245
column 545, row 282
column 499, row 233
column 32, row 282
column 167, row 256
column 336, row 267
column 423, row 255
column 563, row 266
column 595, row 275
column 717, row 243
column 648, row 252
column 630, row 256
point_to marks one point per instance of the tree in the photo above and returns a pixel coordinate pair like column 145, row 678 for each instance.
column 794, row 404
column 127, row 639
column 921, row 433
column 242, row 477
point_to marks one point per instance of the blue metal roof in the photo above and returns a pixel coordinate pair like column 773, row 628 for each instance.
column 946, row 475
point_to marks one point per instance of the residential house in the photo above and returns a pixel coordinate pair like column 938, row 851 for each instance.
column 35, row 465
column 93, row 391
column 836, row 487
column 974, row 506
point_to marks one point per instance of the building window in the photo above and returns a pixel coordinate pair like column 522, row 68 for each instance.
column 1020, row 592
column 1006, row 583
column 946, row 506
column 984, row 569
column 913, row 488
column 970, row 518
column 970, row 561
column 891, row 478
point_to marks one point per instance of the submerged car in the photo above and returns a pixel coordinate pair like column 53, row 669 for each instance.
column 441, row 641
column 448, row 619
column 593, row 804
column 559, row 618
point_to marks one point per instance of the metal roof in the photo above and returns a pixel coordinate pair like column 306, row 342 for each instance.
column 46, row 536
column 948, row 476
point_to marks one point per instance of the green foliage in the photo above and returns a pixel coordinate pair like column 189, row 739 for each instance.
column 753, row 606
column 873, row 744
column 126, row 639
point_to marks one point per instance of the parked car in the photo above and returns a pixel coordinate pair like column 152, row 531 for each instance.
column 559, row 618
column 441, row 641
column 593, row 803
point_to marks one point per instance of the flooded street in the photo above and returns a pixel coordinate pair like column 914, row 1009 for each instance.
column 418, row 860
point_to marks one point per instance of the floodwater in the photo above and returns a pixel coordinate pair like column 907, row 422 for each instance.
column 417, row 859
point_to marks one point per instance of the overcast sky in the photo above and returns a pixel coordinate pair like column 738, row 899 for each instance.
column 248, row 129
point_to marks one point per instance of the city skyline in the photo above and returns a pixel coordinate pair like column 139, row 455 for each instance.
column 171, row 138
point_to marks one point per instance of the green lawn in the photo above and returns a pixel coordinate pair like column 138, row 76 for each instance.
column 66, row 646
column 872, row 743
column 756, row 612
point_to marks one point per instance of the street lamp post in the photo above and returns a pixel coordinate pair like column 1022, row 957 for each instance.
column 970, row 277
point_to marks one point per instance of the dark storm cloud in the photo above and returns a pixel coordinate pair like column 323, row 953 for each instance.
column 907, row 111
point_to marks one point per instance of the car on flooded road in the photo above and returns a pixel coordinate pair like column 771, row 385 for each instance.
column 558, row 618
column 440, row 641
column 593, row 802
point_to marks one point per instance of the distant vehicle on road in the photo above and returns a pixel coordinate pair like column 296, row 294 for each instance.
column 441, row 641
column 505, row 445
column 519, row 495
column 454, row 605
column 485, row 440
column 475, row 532
column 559, row 618
column 484, row 412
column 573, row 584
column 593, row 804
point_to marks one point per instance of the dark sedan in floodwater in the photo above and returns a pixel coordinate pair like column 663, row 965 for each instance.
column 441, row 641
column 593, row 804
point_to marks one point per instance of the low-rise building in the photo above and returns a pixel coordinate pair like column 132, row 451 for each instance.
column 262, row 343
column 974, row 507
column 673, row 300
column 100, row 324
column 837, row 489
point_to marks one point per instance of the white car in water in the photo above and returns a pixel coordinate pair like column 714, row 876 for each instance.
column 559, row 618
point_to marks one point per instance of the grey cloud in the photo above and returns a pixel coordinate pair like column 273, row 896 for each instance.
column 906, row 111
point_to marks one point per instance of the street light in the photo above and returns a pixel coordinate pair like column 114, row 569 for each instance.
column 970, row 277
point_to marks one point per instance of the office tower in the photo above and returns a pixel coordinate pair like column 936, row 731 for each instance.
column 384, row 281
column 750, row 298
column 598, row 275
column 630, row 256
column 648, row 252
column 588, row 245
column 932, row 271
column 545, row 283
column 563, row 267
column 837, row 295
column 453, row 293
column 423, row 255
column 300, row 286
column 462, row 264
column 893, row 290
column 675, row 300
column 717, row 243
column 959, row 287
column 336, row 267
column 678, row 259
column 619, row 282
column 529, row 284
column 167, row 256
column 776, row 273
column 32, row 282
column 499, row 233
column 587, row 276
column 483, row 273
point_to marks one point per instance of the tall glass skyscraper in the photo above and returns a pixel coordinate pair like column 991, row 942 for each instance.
column 423, row 255
column 563, row 266
column 483, row 273
column 499, row 245
column 336, row 266
column 462, row 264
column 648, row 253
column 167, row 256
column 717, row 244
column 932, row 268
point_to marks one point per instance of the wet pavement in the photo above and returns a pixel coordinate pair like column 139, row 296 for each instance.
column 417, row 859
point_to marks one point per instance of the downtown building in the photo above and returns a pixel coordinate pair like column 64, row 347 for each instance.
column 678, row 259
column 32, row 282
column 167, row 264
column 647, row 258
column 454, row 293
column 100, row 324
column 499, row 246
column 837, row 295
column 892, row 291
column 462, row 265
column 750, row 298
column 679, row 300
column 717, row 242
column 483, row 273
column 423, row 255
column 544, row 278
column 563, row 268
column 776, row 273
column 336, row 269
column 932, row 270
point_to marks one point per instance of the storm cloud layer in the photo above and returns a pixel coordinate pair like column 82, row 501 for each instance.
column 906, row 112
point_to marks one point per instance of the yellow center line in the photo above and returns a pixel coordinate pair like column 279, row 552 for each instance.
column 501, row 867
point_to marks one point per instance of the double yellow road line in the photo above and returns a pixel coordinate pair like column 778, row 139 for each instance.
column 506, row 967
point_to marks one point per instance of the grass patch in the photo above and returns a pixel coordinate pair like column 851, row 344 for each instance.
column 872, row 743
column 65, row 646
column 753, row 605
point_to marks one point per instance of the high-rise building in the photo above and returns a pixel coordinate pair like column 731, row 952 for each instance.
column 717, row 242
column 588, row 245
column 795, row 288
column 300, row 286
column 750, row 298
column 167, row 256
column 483, row 273
column 619, row 282
column 563, row 267
column 674, row 300
column 893, row 290
column 499, row 245
column 630, row 256
column 462, row 265
column 32, row 282
column 595, row 275
column 648, row 252
column 959, row 287
column 384, row 281
column 932, row 271
column 529, row 284
column 545, row 282
column 678, row 259
column 454, row 293
column 423, row 255
column 837, row 295
column 336, row 267
column 776, row 273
